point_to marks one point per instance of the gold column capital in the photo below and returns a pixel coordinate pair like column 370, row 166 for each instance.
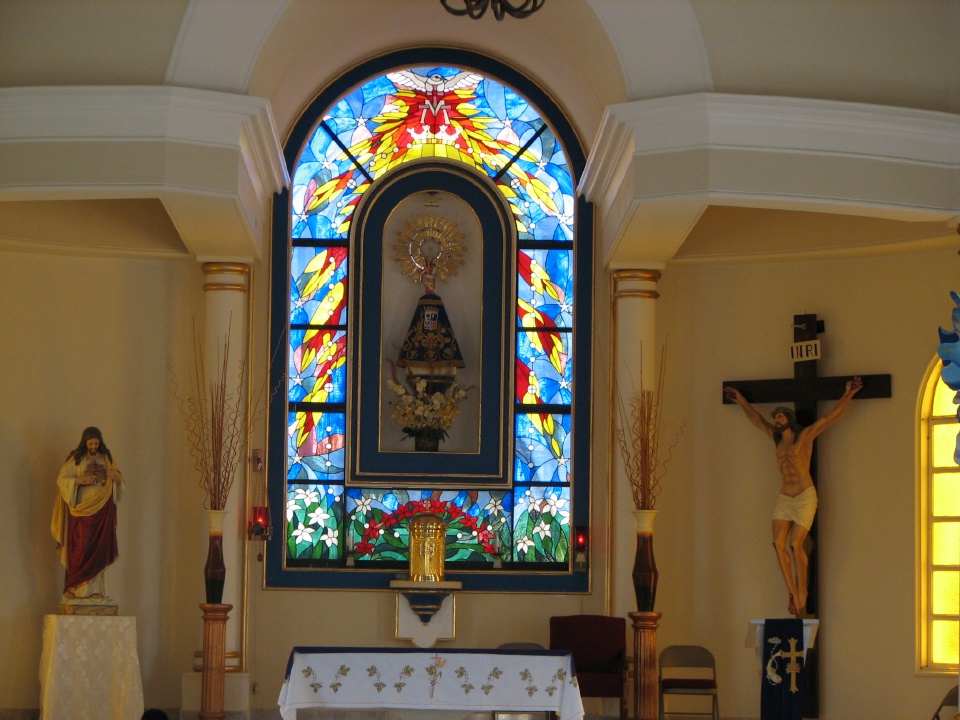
column 226, row 268
column 637, row 274
column 625, row 283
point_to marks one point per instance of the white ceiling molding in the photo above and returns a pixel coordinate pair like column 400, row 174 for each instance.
column 657, row 164
column 659, row 44
column 213, row 159
column 219, row 42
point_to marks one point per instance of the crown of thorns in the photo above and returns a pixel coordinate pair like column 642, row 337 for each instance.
column 789, row 412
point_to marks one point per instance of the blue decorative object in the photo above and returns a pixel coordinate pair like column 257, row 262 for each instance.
column 949, row 352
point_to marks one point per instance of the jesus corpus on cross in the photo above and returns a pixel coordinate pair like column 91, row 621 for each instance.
column 797, row 502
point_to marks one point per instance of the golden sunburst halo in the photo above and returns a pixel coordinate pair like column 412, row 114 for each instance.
column 429, row 245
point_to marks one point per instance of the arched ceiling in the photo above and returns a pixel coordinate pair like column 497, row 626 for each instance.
column 590, row 54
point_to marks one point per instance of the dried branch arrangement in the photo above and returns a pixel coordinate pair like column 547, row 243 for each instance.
column 638, row 434
column 214, row 420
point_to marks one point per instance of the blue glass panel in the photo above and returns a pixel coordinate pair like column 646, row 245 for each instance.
column 542, row 528
column 317, row 371
column 544, row 368
column 542, row 451
column 313, row 517
column 327, row 182
column 315, row 446
column 544, row 188
column 433, row 112
column 318, row 291
column 545, row 288
column 319, row 195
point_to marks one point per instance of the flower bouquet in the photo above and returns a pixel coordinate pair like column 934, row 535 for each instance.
column 426, row 409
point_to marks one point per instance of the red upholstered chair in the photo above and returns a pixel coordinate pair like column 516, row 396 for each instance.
column 688, row 670
column 598, row 644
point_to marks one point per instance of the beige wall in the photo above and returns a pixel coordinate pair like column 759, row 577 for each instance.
column 717, row 567
column 86, row 341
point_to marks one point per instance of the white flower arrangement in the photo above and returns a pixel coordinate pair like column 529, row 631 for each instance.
column 421, row 413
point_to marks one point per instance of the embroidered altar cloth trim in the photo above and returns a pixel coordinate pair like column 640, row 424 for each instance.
column 397, row 678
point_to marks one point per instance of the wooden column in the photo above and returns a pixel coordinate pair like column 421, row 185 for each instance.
column 226, row 309
column 214, row 663
column 645, row 691
column 633, row 298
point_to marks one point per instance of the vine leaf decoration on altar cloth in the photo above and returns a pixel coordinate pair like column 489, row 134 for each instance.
column 491, row 677
column 463, row 674
column 374, row 672
column 406, row 672
column 316, row 685
column 949, row 352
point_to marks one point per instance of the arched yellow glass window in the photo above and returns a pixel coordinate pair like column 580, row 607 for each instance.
column 939, row 532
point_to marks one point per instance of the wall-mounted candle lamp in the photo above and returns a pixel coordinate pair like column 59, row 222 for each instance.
column 258, row 525
column 581, row 548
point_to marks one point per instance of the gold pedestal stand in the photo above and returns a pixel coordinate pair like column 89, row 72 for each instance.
column 214, row 662
column 646, row 705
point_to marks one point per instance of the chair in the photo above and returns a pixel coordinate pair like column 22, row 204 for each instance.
column 949, row 700
column 688, row 670
column 598, row 644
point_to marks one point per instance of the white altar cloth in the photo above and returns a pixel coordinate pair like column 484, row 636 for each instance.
column 89, row 668
column 445, row 680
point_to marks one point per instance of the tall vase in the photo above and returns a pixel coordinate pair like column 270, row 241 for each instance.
column 645, row 565
column 215, row 571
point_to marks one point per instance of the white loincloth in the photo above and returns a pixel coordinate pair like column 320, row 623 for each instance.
column 800, row 509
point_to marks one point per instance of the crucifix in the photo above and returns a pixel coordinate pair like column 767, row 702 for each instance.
column 804, row 390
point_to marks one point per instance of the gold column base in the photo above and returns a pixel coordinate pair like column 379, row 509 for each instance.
column 213, row 672
column 646, row 705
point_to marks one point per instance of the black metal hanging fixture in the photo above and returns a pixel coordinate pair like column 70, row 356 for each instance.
column 476, row 8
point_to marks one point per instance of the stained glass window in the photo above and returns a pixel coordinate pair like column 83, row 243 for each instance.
column 940, row 546
column 454, row 114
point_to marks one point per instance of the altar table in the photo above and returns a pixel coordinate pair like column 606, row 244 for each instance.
column 445, row 680
column 89, row 668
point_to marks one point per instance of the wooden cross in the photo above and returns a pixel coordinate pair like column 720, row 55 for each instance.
column 804, row 390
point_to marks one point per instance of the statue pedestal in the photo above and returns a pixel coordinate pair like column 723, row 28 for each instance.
column 89, row 667
column 78, row 609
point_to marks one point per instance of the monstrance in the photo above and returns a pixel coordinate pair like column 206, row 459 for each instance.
column 428, row 248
